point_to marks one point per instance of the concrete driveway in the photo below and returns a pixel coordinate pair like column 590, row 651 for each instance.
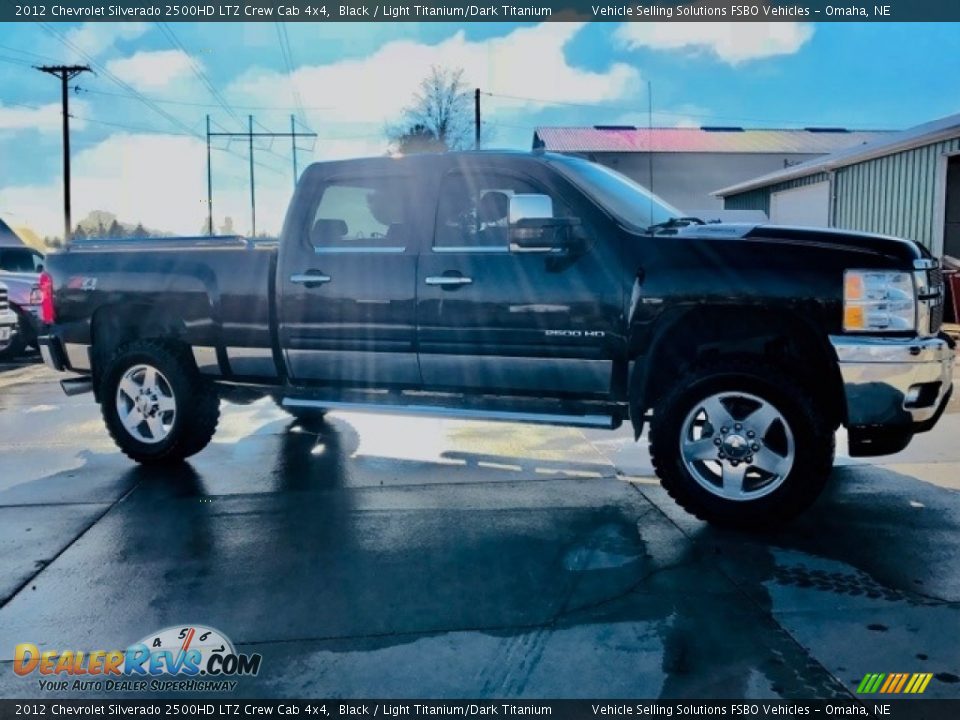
column 393, row 557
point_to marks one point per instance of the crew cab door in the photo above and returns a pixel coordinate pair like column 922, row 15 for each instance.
column 501, row 322
column 347, row 281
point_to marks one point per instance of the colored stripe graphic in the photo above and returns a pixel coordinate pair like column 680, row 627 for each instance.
column 894, row 683
column 891, row 681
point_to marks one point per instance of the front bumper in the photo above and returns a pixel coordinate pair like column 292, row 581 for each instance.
column 9, row 320
column 895, row 383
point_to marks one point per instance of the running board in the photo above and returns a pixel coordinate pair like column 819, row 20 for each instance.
column 608, row 422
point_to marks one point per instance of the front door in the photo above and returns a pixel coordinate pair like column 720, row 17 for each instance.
column 348, row 284
column 490, row 320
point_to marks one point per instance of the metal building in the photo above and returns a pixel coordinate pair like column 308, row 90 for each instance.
column 906, row 184
column 685, row 165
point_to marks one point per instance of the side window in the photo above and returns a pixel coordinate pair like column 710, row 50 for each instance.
column 473, row 210
column 361, row 213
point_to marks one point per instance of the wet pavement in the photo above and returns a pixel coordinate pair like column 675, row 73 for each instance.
column 393, row 557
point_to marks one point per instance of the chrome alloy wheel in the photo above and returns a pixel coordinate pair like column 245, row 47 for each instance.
column 145, row 404
column 737, row 446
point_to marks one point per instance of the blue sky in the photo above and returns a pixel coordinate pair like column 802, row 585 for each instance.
column 148, row 162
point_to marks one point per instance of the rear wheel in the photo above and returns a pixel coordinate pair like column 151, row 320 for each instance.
column 156, row 405
column 739, row 443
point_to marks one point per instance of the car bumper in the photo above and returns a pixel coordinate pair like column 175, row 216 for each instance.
column 51, row 350
column 895, row 383
column 8, row 321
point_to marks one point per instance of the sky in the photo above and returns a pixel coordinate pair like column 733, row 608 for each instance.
column 138, row 124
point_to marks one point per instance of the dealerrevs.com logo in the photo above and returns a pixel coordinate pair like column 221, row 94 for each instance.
column 180, row 659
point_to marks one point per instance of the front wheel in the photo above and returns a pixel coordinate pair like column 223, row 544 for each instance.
column 156, row 405
column 739, row 443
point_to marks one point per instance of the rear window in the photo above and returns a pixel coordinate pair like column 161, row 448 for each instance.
column 361, row 212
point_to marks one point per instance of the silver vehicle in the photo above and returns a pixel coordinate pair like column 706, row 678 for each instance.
column 8, row 319
column 20, row 269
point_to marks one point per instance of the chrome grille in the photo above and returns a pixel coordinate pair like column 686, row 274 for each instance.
column 4, row 304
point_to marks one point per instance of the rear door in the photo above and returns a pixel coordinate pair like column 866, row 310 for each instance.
column 347, row 281
column 494, row 321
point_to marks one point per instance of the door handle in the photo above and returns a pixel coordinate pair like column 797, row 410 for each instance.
column 309, row 279
column 448, row 280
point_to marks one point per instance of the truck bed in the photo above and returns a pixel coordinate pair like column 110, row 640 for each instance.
column 213, row 291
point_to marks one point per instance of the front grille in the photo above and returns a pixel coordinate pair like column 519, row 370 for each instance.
column 3, row 300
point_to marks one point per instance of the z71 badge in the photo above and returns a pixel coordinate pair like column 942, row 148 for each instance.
column 87, row 284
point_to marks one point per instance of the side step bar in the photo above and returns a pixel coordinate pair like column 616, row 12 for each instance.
column 608, row 422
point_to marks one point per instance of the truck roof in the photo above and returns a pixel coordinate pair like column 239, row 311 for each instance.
column 429, row 162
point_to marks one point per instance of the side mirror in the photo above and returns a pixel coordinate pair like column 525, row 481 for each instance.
column 534, row 229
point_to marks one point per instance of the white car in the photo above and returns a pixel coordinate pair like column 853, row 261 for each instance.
column 8, row 319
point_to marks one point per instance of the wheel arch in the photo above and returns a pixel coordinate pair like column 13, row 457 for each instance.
column 685, row 337
column 114, row 325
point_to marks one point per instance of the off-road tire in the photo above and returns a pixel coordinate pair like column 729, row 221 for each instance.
column 198, row 407
column 813, row 438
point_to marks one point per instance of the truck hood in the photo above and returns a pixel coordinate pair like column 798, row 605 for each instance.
column 898, row 249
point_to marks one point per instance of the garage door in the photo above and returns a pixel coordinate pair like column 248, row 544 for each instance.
column 807, row 205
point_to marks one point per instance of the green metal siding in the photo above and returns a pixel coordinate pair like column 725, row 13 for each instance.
column 759, row 199
column 894, row 195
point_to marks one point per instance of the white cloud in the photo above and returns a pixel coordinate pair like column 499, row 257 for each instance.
column 159, row 180
column 152, row 70
column 95, row 38
column 44, row 118
column 733, row 43
column 528, row 62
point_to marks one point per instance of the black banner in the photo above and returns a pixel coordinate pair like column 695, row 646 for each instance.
column 452, row 10
column 487, row 709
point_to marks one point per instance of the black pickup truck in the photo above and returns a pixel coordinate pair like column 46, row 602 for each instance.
column 527, row 288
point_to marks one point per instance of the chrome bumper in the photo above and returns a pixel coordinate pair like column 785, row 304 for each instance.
column 894, row 382
column 8, row 318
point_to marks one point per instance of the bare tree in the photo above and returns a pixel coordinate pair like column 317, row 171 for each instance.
column 440, row 117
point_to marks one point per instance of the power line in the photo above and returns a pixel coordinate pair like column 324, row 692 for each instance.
column 130, row 90
column 198, row 71
column 26, row 52
column 286, row 52
column 186, row 103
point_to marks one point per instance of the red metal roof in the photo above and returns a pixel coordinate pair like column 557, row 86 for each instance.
column 719, row 140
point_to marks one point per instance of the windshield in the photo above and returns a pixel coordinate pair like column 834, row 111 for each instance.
column 630, row 203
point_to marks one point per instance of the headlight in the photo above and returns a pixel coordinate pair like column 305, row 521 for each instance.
column 878, row 301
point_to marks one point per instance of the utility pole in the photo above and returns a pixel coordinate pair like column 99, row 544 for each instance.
column 253, row 192
column 476, row 119
column 293, row 149
column 65, row 73
column 209, row 183
column 249, row 136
